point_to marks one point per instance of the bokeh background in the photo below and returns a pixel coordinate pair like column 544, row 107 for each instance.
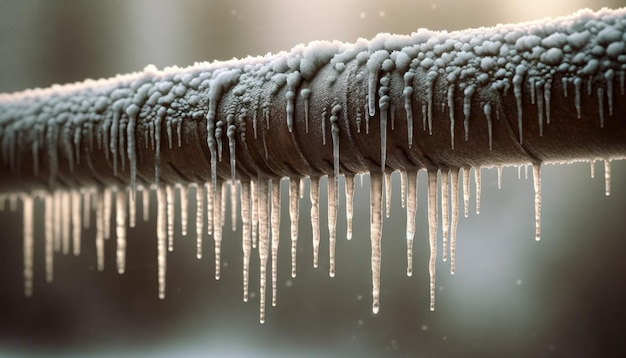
column 511, row 296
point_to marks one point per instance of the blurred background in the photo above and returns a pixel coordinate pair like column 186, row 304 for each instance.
column 511, row 296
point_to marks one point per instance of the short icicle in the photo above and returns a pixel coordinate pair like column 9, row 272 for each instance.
column 387, row 194
column 161, row 239
column 466, row 189
column 376, row 227
column 49, row 232
column 294, row 212
column 169, row 192
column 246, row 244
column 120, row 230
column 263, row 243
column 454, row 201
column 217, row 226
column 445, row 211
column 29, row 228
column 199, row 218
column 411, row 208
column 607, row 177
column 332, row 223
column 275, row 221
column 537, row 185
column 315, row 217
column 349, row 204
column 183, row 192
column 477, row 182
column 76, row 224
column 432, row 232
column 100, row 230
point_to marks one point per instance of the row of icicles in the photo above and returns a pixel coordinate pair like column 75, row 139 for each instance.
column 68, row 212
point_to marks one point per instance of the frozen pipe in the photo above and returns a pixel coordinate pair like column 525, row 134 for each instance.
column 530, row 93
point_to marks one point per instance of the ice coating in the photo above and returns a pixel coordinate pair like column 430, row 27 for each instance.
column 471, row 75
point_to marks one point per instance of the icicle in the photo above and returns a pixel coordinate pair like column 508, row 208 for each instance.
column 49, row 236
column 305, row 93
column 302, row 183
column 334, row 121
column 100, row 223
column 113, row 140
column 294, row 212
column 454, row 201
column 120, row 220
column 76, row 225
column 383, row 105
column 499, row 168
column 315, row 217
column 411, row 208
column 466, row 190
column 66, row 207
column 403, row 177
column 349, row 204
column 546, row 95
column 601, row 106
column 332, row 222
column 107, row 212
column 526, row 171
column 540, row 106
column 254, row 194
column 432, row 76
column 132, row 207
column 132, row 111
column 477, row 182
column 275, row 235
column 210, row 196
column 607, row 177
column 593, row 168
column 199, row 218
column 232, row 145
column 424, row 115
column 408, row 94
column 233, row 205
column 451, row 106
column 487, row 111
column 57, row 221
column 564, row 81
column 161, row 239
column 245, row 237
column 27, row 217
column 387, row 193
column 145, row 196
column 263, row 243
column 537, row 185
column 577, row 84
column 609, row 75
column 217, row 226
column 445, row 212
column 467, row 106
column 432, row 232
column 323, row 123
column 183, row 191
column 86, row 195
column 222, row 205
column 531, row 83
column 169, row 195
column 376, row 228
column 517, row 89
